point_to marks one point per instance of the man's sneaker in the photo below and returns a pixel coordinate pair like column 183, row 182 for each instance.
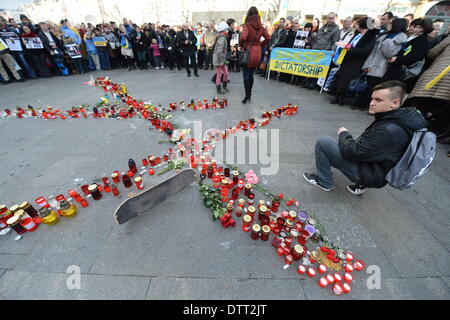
column 356, row 189
column 314, row 180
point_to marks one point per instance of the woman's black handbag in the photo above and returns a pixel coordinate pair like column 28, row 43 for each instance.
column 359, row 84
column 244, row 58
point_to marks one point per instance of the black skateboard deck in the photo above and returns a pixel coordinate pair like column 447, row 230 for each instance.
column 144, row 201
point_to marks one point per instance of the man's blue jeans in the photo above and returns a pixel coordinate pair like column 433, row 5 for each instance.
column 327, row 156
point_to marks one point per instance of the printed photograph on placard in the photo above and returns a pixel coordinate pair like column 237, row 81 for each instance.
column 12, row 40
column 300, row 38
column 32, row 43
column 73, row 51
column 234, row 40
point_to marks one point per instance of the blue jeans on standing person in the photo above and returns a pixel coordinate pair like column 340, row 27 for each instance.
column 157, row 61
column 20, row 58
column 247, row 73
column 327, row 156
column 104, row 59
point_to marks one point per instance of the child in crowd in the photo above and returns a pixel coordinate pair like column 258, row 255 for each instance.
column 156, row 53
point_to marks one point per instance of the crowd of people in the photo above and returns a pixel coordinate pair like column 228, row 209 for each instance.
column 408, row 49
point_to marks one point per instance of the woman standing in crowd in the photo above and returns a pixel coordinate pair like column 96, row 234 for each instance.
column 387, row 45
column 251, row 40
column 126, row 48
column 140, row 43
column 435, row 102
column 35, row 51
column 409, row 61
column 358, row 49
column 220, row 56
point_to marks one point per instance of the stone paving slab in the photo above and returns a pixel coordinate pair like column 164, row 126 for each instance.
column 224, row 289
column 53, row 286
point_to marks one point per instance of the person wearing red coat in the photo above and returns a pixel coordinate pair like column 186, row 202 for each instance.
column 251, row 40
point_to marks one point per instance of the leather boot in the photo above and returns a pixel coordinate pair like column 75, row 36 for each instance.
column 246, row 86
column 219, row 89
column 225, row 86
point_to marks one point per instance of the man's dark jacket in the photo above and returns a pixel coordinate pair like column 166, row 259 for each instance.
column 186, row 49
column 382, row 144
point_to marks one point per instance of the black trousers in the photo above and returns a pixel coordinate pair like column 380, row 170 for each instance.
column 201, row 58
column 39, row 60
column 364, row 98
column 193, row 62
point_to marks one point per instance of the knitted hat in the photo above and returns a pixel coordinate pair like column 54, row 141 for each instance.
column 222, row 26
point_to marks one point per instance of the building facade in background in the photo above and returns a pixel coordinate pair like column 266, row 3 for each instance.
column 178, row 11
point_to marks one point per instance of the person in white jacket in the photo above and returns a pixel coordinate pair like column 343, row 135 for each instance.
column 388, row 44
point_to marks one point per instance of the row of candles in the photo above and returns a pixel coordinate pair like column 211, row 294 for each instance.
column 109, row 111
column 291, row 231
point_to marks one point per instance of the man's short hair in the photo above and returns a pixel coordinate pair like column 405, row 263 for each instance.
column 397, row 89
column 230, row 21
column 389, row 14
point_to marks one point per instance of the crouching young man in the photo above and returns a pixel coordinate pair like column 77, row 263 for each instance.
column 367, row 159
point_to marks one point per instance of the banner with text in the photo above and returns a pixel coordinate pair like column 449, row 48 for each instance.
column 301, row 62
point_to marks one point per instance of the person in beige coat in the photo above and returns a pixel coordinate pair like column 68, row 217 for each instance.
column 220, row 56
column 435, row 102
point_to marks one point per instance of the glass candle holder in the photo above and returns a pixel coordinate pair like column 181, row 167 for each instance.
column 256, row 229
column 42, row 202
column 297, row 252
column 116, row 177
column 68, row 210
column 115, row 190
column 48, row 216
column 246, row 221
column 126, row 181
column 14, row 223
column 26, row 221
column 139, row 183
column 85, row 189
column 265, row 232
column 84, row 203
column 96, row 194
column 29, row 209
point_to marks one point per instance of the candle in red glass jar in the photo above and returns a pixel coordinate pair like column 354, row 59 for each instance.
column 246, row 221
column 265, row 232
column 115, row 190
column 248, row 189
column 250, row 198
column 301, row 269
column 42, row 202
column 96, row 194
column 152, row 161
column 235, row 174
column 26, row 221
column 126, row 180
column 116, row 177
column 256, row 230
column 251, row 211
column 238, row 212
column 139, row 183
column 144, row 162
column 14, row 223
column 297, row 252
